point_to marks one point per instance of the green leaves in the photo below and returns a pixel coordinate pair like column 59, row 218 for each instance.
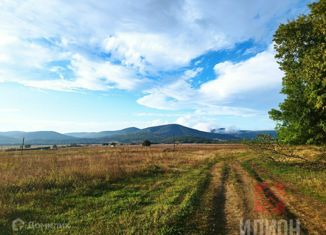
column 301, row 53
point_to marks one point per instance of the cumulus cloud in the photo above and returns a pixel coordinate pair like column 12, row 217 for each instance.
column 90, row 75
column 203, row 123
column 149, row 37
column 258, row 72
column 143, row 47
column 196, row 122
column 148, row 51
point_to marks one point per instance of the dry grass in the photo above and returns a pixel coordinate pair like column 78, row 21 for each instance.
column 100, row 188
column 156, row 190
column 105, row 162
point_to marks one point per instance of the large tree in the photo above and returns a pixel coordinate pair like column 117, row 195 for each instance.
column 301, row 52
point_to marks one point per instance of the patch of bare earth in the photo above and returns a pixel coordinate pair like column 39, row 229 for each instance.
column 232, row 196
column 236, row 207
column 262, row 206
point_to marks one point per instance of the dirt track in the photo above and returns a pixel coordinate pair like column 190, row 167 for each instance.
column 234, row 195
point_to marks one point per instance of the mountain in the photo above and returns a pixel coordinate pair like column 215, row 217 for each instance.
column 179, row 131
column 169, row 133
column 157, row 134
column 37, row 137
column 13, row 134
column 103, row 133
column 46, row 135
column 4, row 140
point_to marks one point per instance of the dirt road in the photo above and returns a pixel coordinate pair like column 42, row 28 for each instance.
column 239, row 201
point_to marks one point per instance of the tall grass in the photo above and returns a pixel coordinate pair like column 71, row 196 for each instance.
column 95, row 189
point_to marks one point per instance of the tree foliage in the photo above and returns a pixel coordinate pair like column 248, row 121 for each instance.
column 147, row 143
column 301, row 52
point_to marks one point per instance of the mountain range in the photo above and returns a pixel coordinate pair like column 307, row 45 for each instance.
column 157, row 134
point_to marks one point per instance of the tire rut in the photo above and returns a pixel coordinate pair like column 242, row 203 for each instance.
column 236, row 205
column 271, row 205
column 231, row 197
column 210, row 216
column 311, row 213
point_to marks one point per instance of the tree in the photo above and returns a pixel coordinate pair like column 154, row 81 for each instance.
column 147, row 143
column 301, row 52
column 113, row 144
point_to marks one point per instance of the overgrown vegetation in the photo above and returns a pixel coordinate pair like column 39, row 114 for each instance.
column 302, row 166
column 301, row 53
column 138, row 190
column 272, row 148
column 100, row 190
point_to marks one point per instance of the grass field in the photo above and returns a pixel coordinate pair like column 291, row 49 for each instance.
column 195, row 189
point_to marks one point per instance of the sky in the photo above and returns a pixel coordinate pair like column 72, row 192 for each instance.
column 105, row 65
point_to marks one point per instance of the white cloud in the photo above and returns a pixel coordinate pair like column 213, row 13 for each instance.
column 148, row 51
column 203, row 126
column 6, row 39
column 26, row 54
column 148, row 37
column 175, row 95
column 228, row 118
column 89, row 75
column 28, row 63
column 104, row 45
column 205, row 117
column 215, row 99
column 203, row 123
column 216, row 110
column 196, row 122
column 184, row 30
column 258, row 72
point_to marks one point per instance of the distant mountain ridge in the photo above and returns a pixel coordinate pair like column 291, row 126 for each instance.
column 102, row 134
column 158, row 134
column 35, row 135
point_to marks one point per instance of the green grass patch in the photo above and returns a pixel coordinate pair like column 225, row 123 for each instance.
column 154, row 202
column 308, row 178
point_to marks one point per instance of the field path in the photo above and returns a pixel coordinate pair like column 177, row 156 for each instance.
column 231, row 196
column 209, row 217
column 238, row 203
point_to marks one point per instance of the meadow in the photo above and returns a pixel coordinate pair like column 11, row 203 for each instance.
column 192, row 189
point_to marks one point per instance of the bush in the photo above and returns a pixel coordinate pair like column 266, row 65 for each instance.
column 147, row 143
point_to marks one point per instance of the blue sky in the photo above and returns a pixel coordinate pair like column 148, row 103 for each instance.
column 105, row 65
